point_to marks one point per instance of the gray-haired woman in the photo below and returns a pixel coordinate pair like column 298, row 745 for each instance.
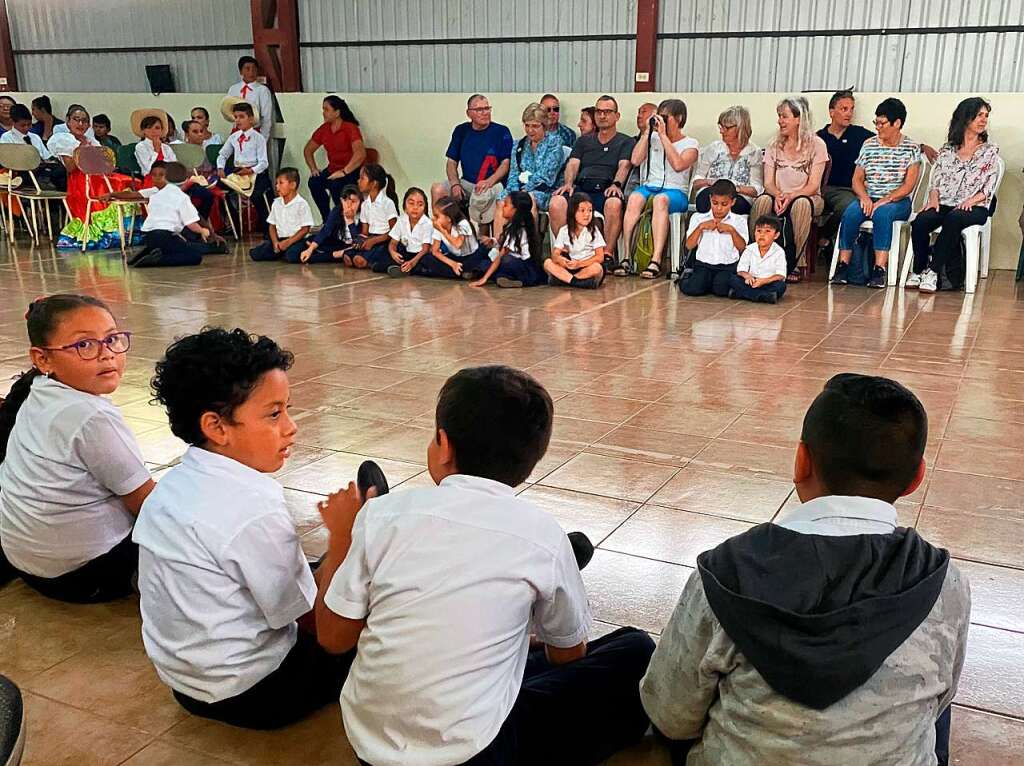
column 733, row 158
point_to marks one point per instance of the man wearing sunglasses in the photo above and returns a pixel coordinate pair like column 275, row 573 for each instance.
column 566, row 134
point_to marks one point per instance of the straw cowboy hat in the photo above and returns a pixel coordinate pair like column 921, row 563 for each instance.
column 140, row 114
column 244, row 185
column 229, row 103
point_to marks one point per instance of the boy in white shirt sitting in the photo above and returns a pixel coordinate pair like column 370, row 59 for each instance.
column 289, row 222
column 761, row 272
column 51, row 169
column 226, row 592
column 441, row 588
column 247, row 150
column 718, row 236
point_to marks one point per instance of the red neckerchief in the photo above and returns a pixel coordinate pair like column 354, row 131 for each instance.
column 245, row 89
column 242, row 138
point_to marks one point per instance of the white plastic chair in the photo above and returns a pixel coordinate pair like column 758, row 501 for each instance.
column 977, row 244
column 897, row 231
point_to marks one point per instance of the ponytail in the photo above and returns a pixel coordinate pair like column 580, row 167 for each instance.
column 9, row 407
column 522, row 221
column 390, row 189
column 384, row 180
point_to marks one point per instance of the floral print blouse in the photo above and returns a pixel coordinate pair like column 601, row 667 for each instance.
column 957, row 180
column 540, row 167
column 715, row 162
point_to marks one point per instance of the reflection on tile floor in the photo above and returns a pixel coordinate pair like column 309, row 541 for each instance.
column 675, row 426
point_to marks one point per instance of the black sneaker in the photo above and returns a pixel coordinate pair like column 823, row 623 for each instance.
column 590, row 283
column 582, row 548
column 147, row 258
column 471, row 276
column 371, row 475
column 840, row 277
column 396, row 271
column 877, row 278
column 506, row 282
column 554, row 281
column 770, row 298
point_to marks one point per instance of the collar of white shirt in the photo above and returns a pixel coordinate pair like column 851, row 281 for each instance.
column 204, row 461
column 842, row 515
column 477, row 484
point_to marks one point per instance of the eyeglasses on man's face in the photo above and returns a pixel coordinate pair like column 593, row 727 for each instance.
column 89, row 348
column 480, row 109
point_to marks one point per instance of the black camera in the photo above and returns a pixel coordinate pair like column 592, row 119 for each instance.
column 653, row 122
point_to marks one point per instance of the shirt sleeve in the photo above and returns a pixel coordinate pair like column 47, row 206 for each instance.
column 169, row 155
column 266, row 107
column 318, row 135
column 562, row 238
column 549, row 162
column 700, row 170
column 561, row 616
column 779, row 260
column 266, row 557
column 143, row 157
column 225, row 151
column 396, row 230
column 348, row 594
column 743, row 264
column 307, row 215
column 990, row 173
column 390, row 209
column 275, row 213
column 352, row 132
column 740, row 224
column 626, row 149
column 262, row 163
column 681, row 682
column 504, row 144
column 598, row 239
column 577, row 149
column 107, row 448
column 188, row 212
column 695, row 220
column 757, row 171
column 455, row 145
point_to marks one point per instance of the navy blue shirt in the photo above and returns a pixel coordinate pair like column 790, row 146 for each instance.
column 844, row 152
column 37, row 127
column 479, row 152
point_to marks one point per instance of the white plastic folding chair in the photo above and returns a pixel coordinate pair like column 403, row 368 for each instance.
column 893, row 270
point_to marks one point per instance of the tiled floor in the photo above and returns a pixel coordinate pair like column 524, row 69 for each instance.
column 676, row 420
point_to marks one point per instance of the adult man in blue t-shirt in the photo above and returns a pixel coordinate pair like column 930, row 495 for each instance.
column 484, row 150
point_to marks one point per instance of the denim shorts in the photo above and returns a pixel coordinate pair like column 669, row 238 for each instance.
column 677, row 199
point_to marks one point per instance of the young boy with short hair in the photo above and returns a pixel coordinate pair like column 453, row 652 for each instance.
column 222, row 577
column 289, row 222
column 718, row 236
column 249, row 88
column 440, row 588
column 761, row 271
column 339, row 235
column 247, row 150
column 52, row 169
column 833, row 636
column 101, row 129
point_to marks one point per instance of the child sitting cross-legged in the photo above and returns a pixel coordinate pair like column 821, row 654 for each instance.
column 515, row 255
column 289, row 222
column 440, row 588
column 578, row 254
column 455, row 249
column 409, row 239
column 761, row 272
column 378, row 215
column 222, row 577
column 718, row 236
column 340, row 235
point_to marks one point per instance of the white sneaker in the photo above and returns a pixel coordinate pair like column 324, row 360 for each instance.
column 929, row 281
column 913, row 281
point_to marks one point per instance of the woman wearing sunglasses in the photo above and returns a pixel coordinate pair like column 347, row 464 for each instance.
column 72, row 478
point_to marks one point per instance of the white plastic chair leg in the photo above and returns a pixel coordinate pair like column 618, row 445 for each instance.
column 972, row 242
column 908, row 262
column 891, row 278
column 986, row 247
column 675, row 221
column 835, row 259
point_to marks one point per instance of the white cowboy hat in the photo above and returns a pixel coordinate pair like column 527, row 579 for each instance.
column 228, row 103
column 140, row 114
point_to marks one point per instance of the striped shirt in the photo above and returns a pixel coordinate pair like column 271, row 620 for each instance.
column 885, row 167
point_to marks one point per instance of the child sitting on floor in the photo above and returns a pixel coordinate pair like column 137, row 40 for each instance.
column 378, row 214
column 454, row 248
column 761, row 272
column 578, row 255
column 718, row 236
column 289, row 222
column 410, row 237
column 340, row 234
column 441, row 588
column 222, row 577
column 516, row 254
column 72, row 478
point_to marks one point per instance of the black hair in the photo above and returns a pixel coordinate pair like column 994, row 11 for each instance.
column 606, row 97
column 378, row 175
column 455, row 211
column 591, row 112
column 159, row 165
column 866, row 436
column 892, row 109
column 244, row 107
column 577, row 199
column 20, row 113
column 964, row 113
column 292, row 174
column 203, row 109
column 102, row 119
column 170, row 124
column 723, row 187
column 520, row 222
column 187, row 125
column 838, row 96
column 416, row 190
column 351, row 191
column 338, row 104
column 150, row 121
column 247, row 60
column 75, row 108
column 474, row 97
column 498, row 420
column 769, row 220
column 43, row 103
column 214, row 370
column 5, row 97
column 41, row 320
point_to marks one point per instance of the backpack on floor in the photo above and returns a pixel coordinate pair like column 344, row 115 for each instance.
column 862, row 258
column 643, row 238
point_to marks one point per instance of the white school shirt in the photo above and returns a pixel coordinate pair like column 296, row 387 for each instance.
column 63, row 128
column 774, row 262
column 168, row 209
column 583, row 246
column 660, row 174
column 12, row 136
column 249, row 149
column 289, row 217
column 412, row 238
column 377, row 213
column 146, row 155
column 64, row 144
column 222, row 577
column 450, row 580
column 716, row 248
column 214, row 139
column 462, row 229
column 520, row 250
column 69, row 458
column 257, row 94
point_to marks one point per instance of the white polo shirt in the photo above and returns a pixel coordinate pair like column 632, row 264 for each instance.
column 716, row 248
column 520, row 249
column 773, row 262
column 249, row 149
column 69, row 459
column 583, row 246
column 169, row 209
column 64, row 144
column 378, row 213
column 222, row 578
column 462, row 229
column 412, row 238
column 146, row 155
column 449, row 580
column 289, row 217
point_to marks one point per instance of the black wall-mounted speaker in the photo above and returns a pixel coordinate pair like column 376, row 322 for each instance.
column 160, row 79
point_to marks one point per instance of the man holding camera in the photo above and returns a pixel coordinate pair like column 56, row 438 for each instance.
column 599, row 165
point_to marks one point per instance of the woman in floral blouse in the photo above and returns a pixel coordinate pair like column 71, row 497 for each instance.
column 734, row 158
column 537, row 160
column 960, row 194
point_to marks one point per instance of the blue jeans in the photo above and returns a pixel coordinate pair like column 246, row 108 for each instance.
column 324, row 191
column 882, row 218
